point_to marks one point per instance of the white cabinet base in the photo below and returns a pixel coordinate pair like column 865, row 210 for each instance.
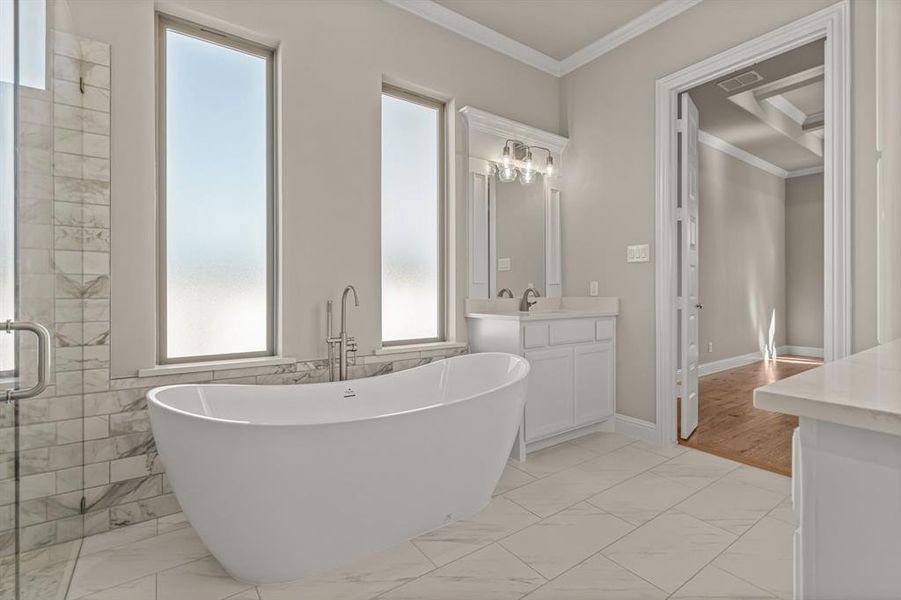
column 849, row 542
column 521, row 448
column 572, row 384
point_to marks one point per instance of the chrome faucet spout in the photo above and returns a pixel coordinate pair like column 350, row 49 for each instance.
column 346, row 344
column 525, row 304
column 505, row 293
column 348, row 289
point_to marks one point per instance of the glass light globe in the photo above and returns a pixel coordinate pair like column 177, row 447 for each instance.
column 506, row 161
column 526, row 176
column 506, row 173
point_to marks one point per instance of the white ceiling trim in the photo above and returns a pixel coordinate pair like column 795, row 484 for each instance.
column 453, row 21
column 444, row 17
column 742, row 155
column 784, row 105
column 803, row 172
column 645, row 22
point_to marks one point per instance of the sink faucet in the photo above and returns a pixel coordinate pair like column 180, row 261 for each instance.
column 525, row 304
column 346, row 344
column 505, row 293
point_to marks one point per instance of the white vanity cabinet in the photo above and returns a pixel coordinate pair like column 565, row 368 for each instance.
column 572, row 383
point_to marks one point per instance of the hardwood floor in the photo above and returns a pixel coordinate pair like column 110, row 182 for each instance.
column 731, row 427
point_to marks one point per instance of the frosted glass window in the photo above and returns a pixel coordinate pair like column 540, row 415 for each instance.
column 217, row 287
column 412, row 211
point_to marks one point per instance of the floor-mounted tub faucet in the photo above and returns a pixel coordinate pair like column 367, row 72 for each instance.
column 346, row 344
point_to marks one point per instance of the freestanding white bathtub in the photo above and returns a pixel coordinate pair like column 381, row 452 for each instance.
column 285, row 481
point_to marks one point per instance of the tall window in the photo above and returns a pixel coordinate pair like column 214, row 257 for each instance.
column 412, row 218
column 216, row 195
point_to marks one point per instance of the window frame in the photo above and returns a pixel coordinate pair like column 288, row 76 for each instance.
column 165, row 23
column 441, row 107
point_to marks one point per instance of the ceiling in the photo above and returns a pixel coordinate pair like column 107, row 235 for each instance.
column 555, row 36
column 765, row 124
column 557, row 28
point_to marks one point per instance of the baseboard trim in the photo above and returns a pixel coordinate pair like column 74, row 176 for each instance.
column 725, row 364
column 801, row 351
column 637, row 428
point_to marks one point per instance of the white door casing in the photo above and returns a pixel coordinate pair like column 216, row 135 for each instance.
column 833, row 24
column 688, row 304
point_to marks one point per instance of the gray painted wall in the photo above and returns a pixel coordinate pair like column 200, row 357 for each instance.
column 804, row 260
column 332, row 60
column 742, row 250
column 608, row 193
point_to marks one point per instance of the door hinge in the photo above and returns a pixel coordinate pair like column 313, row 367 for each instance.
column 680, row 125
column 681, row 214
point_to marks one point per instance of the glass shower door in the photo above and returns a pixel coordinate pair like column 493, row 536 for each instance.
column 41, row 317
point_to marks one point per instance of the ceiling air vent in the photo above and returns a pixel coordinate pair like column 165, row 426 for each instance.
column 740, row 81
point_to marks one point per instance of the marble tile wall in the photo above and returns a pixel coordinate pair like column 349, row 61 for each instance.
column 88, row 437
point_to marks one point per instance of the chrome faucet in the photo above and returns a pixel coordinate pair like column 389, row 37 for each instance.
column 525, row 304
column 505, row 293
column 346, row 344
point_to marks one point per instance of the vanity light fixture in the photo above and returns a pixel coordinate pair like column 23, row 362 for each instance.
column 516, row 160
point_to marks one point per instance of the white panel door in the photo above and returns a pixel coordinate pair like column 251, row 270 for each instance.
column 689, row 304
column 593, row 382
column 549, row 401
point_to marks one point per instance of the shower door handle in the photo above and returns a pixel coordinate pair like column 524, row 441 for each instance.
column 43, row 336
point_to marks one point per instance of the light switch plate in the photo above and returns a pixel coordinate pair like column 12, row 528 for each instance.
column 593, row 288
column 503, row 264
column 638, row 253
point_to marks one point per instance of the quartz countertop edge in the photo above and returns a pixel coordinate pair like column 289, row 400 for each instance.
column 862, row 390
column 542, row 315
column 544, row 309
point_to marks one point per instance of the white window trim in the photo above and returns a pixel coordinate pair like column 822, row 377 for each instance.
column 214, row 36
column 444, row 323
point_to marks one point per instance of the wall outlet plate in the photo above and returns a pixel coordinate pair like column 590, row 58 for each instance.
column 593, row 288
column 503, row 264
column 638, row 253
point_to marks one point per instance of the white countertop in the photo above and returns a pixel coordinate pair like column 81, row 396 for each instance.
column 545, row 309
column 863, row 390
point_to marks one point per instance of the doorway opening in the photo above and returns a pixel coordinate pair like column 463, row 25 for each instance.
column 769, row 122
column 751, row 263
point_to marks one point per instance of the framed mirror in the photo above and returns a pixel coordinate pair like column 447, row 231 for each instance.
column 513, row 206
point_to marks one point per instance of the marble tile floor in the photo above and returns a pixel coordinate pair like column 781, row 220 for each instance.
column 604, row 516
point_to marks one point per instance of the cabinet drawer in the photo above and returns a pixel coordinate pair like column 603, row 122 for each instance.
column 534, row 336
column 572, row 332
column 605, row 329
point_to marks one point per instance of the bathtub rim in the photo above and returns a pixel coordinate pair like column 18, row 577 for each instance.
column 152, row 394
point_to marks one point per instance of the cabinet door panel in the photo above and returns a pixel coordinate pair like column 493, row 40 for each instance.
column 594, row 377
column 549, row 402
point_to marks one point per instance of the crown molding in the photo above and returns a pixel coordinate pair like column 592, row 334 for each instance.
column 742, row 155
column 803, row 172
column 642, row 23
column 444, row 17
column 472, row 30
column 502, row 127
